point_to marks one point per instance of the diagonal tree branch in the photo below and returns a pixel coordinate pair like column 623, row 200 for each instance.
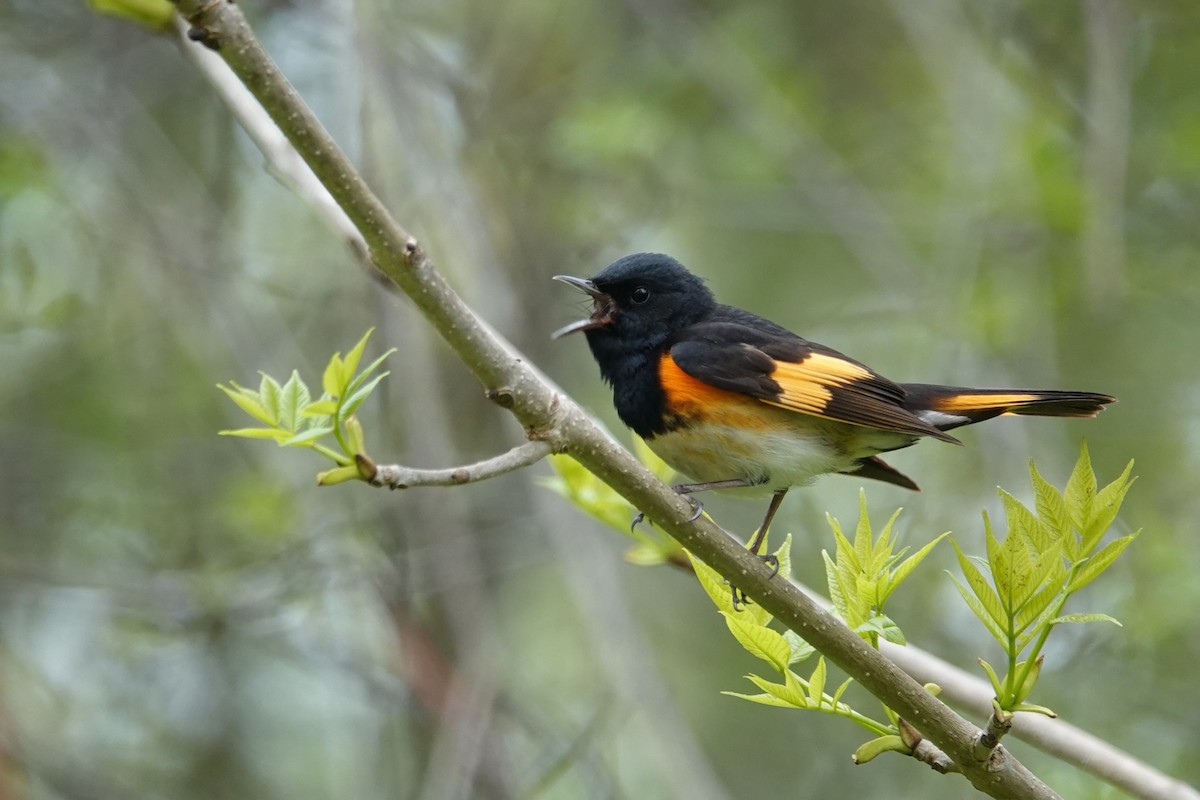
column 553, row 419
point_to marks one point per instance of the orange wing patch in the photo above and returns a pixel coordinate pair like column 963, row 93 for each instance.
column 806, row 385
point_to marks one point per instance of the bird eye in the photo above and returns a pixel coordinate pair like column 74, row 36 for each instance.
column 639, row 295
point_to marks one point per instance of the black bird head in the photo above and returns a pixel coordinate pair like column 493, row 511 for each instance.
column 640, row 300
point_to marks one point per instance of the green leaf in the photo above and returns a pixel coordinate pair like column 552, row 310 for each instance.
column 257, row 433
column 268, row 394
column 1031, row 679
column 790, row 692
column 977, row 607
column 880, row 625
column 801, row 649
column 1104, row 509
column 350, row 362
column 759, row 640
column 866, row 597
column 816, row 683
column 1020, row 575
column 292, row 398
column 784, row 556
column 876, row 747
column 1082, row 618
column 890, row 630
column 845, row 551
column 763, row 699
column 907, row 566
column 1045, row 571
column 992, row 677
column 310, row 435
column 320, row 408
column 591, row 494
column 841, row 690
column 361, row 378
column 713, row 584
column 331, row 379
column 1030, row 707
column 645, row 554
column 862, row 534
column 351, row 403
column 1081, row 489
column 356, row 438
column 339, row 475
column 248, row 401
column 832, row 579
column 1042, row 600
column 155, row 14
column 987, row 596
column 881, row 552
column 1051, row 508
column 1025, row 524
column 1095, row 565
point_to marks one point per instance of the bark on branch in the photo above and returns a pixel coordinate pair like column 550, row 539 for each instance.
column 395, row 476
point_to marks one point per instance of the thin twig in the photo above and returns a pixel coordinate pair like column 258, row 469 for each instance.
column 395, row 476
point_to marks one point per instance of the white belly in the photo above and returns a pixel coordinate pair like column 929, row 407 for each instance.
column 773, row 459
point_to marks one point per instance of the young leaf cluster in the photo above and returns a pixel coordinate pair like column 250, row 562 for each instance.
column 861, row 576
column 573, row 481
column 1046, row 556
column 750, row 626
column 290, row 416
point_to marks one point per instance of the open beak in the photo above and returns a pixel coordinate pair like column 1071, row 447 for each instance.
column 601, row 316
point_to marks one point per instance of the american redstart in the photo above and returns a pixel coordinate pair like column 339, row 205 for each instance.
column 735, row 401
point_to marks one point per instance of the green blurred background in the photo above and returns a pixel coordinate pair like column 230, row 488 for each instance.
column 991, row 193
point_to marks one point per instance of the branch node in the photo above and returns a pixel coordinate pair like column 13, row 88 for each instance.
column 411, row 250
column 460, row 475
column 502, row 397
column 366, row 467
column 999, row 723
column 909, row 735
column 204, row 36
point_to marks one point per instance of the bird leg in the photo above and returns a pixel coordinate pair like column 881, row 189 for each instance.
column 687, row 489
column 756, row 544
column 760, row 536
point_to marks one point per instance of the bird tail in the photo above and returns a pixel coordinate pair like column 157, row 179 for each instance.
column 947, row 407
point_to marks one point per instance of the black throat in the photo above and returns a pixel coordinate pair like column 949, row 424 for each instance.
column 631, row 368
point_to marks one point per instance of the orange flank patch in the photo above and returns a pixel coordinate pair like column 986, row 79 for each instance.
column 981, row 402
column 693, row 399
column 685, row 392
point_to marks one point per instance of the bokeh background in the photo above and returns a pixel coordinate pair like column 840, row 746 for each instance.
column 991, row 193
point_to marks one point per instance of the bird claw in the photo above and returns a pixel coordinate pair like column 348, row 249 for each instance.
column 739, row 597
column 697, row 510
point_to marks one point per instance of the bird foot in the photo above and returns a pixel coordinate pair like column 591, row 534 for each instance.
column 739, row 597
column 697, row 508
